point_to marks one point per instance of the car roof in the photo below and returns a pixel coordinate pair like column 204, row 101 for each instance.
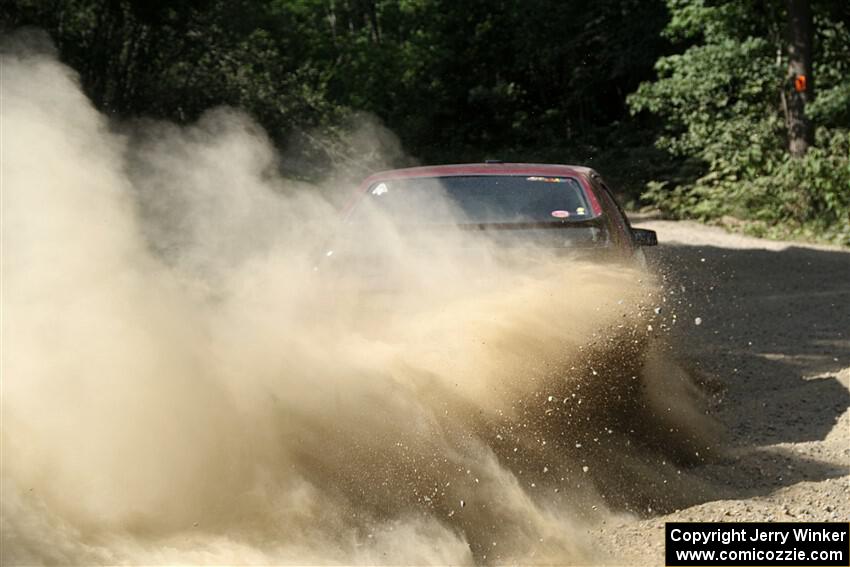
column 480, row 169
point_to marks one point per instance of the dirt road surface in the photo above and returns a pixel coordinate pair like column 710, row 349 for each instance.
column 774, row 335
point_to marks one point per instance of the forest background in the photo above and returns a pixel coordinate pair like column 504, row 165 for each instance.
column 728, row 111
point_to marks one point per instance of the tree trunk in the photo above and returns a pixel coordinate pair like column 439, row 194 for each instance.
column 799, row 85
column 372, row 15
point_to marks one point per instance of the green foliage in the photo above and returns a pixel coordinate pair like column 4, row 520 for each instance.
column 521, row 80
column 720, row 103
column 713, row 97
column 176, row 59
column 807, row 197
column 455, row 80
column 832, row 73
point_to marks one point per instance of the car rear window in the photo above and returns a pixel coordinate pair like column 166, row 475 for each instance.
column 475, row 199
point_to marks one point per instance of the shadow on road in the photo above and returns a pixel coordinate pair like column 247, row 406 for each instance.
column 774, row 332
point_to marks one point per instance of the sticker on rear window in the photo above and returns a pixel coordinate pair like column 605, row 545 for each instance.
column 580, row 211
column 380, row 189
column 548, row 179
column 560, row 214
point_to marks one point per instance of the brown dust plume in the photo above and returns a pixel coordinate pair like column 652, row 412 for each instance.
column 181, row 384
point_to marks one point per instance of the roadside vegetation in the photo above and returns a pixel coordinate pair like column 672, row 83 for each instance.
column 725, row 99
column 696, row 108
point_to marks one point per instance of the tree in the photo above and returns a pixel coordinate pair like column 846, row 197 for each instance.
column 784, row 168
column 799, row 88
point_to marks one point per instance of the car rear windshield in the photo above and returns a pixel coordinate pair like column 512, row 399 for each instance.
column 475, row 199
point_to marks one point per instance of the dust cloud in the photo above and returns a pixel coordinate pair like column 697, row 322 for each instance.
column 183, row 381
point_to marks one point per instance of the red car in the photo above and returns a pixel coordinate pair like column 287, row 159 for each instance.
column 406, row 217
column 524, row 201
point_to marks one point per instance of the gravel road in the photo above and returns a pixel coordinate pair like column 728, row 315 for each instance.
column 774, row 337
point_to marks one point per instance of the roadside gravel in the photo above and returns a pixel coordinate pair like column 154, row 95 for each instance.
column 774, row 336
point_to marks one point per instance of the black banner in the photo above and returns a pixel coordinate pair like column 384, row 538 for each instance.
column 822, row 544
